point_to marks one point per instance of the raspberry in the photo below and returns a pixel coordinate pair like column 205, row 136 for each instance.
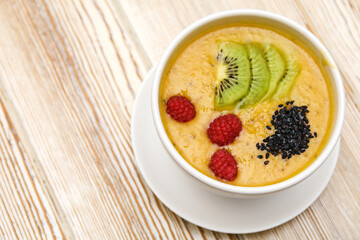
column 223, row 130
column 223, row 165
column 180, row 109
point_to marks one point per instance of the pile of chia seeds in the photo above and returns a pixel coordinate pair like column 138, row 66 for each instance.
column 292, row 132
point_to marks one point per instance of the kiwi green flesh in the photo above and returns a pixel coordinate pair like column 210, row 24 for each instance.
column 260, row 78
column 276, row 66
column 286, row 82
column 233, row 80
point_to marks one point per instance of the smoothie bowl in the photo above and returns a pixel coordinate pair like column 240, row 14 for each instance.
column 248, row 102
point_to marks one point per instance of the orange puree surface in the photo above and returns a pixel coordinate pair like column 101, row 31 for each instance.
column 192, row 74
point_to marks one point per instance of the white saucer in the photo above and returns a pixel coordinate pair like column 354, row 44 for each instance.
column 191, row 201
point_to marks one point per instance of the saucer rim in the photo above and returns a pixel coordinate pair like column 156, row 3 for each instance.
column 187, row 218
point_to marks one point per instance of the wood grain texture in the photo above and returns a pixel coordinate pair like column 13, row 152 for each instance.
column 69, row 74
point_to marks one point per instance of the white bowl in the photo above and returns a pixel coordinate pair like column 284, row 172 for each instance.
column 284, row 25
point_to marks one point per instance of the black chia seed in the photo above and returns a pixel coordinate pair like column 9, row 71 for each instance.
column 266, row 162
column 292, row 132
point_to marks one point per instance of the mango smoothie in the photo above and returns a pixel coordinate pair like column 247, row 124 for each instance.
column 251, row 72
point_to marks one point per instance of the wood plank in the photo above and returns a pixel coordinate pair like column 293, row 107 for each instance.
column 72, row 88
column 27, row 212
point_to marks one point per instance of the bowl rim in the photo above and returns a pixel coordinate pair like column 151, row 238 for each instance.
column 337, row 86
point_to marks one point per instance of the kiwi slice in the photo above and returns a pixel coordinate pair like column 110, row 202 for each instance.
column 260, row 78
column 287, row 80
column 276, row 66
column 232, row 74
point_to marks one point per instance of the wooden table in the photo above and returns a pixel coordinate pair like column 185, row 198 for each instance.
column 69, row 73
